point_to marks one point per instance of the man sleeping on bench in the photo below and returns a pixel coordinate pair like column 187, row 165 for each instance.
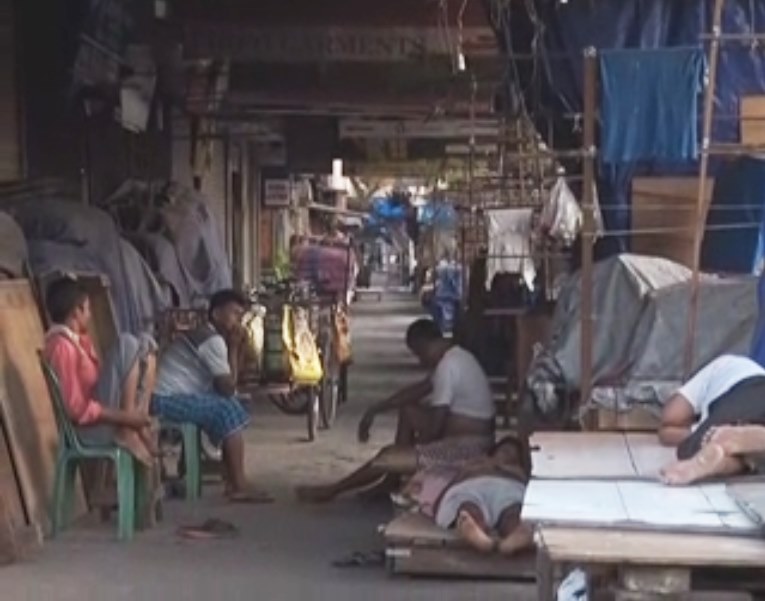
column 717, row 421
column 481, row 500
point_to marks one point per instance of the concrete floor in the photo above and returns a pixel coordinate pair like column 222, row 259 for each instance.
column 283, row 551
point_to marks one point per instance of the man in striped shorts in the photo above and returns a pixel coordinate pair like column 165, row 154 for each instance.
column 196, row 383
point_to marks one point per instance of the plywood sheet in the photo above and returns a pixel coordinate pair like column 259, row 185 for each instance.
column 753, row 120
column 582, row 545
column 24, row 398
column 598, row 455
column 635, row 504
column 580, row 455
column 10, row 494
column 666, row 203
column 648, row 455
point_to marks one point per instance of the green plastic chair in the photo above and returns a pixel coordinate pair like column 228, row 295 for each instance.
column 71, row 451
column 191, row 455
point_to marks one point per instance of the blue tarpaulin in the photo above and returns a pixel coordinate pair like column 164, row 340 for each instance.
column 735, row 231
column 563, row 32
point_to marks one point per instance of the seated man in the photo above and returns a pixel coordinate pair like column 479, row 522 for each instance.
column 728, row 391
column 455, row 427
column 110, row 402
column 196, row 383
column 481, row 498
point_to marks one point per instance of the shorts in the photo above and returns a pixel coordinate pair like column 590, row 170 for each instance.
column 219, row 417
column 452, row 451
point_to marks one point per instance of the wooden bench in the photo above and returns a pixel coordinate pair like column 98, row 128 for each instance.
column 415, row 546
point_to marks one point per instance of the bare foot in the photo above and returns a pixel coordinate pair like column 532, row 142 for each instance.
column 738, row 440
column 473, row 534
column 703, row 464
column 314, row 494
column 519, row 539
column 130, row 441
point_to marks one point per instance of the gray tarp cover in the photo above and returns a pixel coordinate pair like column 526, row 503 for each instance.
column 68, row 236
column 175, row 232
column 13, row 248
column 641, row 309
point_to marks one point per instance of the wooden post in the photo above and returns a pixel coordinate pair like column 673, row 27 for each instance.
column 588, row 226
column 701, row 202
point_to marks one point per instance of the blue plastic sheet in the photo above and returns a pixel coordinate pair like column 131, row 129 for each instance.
column 735, row 233
column 567, row 29
column 648, row 104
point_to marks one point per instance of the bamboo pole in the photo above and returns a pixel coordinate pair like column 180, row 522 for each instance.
column 701, row 202
column 588, row 226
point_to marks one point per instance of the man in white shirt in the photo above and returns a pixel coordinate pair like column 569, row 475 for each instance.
column 690, row 405
column 457, row 424
column 703, row 420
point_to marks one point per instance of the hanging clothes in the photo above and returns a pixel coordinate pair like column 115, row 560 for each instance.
column 649, row 104
column 510, row 244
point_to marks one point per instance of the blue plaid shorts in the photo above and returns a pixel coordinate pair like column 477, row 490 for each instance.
column 219, row 417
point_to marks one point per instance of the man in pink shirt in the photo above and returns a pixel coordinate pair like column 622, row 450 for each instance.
column 108, row 403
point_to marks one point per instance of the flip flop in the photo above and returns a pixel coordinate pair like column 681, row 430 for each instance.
column 360, row 559
column 209, row 529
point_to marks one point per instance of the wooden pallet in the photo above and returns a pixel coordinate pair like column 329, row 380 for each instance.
column 415, row 546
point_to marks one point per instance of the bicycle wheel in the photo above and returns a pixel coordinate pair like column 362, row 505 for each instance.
column 330, row 384
column 313, row 414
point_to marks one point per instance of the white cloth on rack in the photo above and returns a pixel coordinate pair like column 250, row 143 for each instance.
column 561, row 216
column 510, row 244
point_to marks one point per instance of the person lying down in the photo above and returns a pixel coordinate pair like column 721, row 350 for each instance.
column 481, row 500
column 717, row 422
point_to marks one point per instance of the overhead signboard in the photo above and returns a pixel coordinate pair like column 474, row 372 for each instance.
column 330, row 44
column 440, row 129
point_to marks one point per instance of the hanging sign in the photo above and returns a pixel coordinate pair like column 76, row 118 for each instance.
column 276, row 193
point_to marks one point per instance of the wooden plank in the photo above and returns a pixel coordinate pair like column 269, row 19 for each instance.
column 752, row 120
column 613, row 547
column 750, row 496
column 648, row 455
column 598, row 455
column 683, row 596
column 456, row 562
column 635, row 419
column 413, row 528
column 564, row 455
column 10, row 492
column 26, row 406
